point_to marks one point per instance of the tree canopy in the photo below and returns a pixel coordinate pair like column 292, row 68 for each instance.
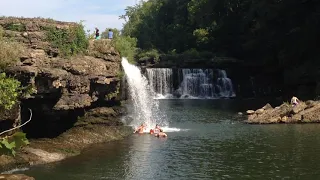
column 258, row 31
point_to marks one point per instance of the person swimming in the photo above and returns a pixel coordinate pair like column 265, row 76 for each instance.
column 140, row 129
column 161, row 134
column 156, row 130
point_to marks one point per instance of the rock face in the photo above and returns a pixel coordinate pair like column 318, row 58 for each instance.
column 304, row 112
column 62, row 87
column 69, row 143
column 15, row 177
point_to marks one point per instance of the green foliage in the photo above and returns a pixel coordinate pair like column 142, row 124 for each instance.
column 10, row 90
column 120, row 74
column 287, row 103
column 70, row 41
column 191, row 53
column 9, row 145
column 126, row 46
column 1, row 33
column 116, row 33
column 16, row 27
column 201, row 36
column 148, row 54
column 10, row 51
column 274, row 33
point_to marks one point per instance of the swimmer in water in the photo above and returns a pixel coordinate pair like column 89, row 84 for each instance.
column 161, row 134
column 156, row 130
column 140, row 129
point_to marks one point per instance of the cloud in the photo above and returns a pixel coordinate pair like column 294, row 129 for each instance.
column 95, row 13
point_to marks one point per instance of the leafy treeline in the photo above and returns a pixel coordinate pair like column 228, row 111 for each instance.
column 260, row 31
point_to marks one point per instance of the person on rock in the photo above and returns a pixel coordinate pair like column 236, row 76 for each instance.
column 97, row 33
column 140, row 129
column 110, row 34
column 295, row 101
column 161, row 134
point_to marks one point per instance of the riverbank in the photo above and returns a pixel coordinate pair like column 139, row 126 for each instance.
column 304, row 112
column 70, row 143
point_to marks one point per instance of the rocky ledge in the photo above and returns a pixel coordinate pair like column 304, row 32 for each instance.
column 75, row 99
column 15, row 177
column 304, row 112
column 64, row 88
column 70, row 143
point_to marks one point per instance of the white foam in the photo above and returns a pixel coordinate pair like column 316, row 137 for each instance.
column 167, row 129
column 15, row 170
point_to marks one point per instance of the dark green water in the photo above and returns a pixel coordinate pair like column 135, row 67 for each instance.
column 212, row 144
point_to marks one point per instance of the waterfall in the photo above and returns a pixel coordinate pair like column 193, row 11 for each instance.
column 196, row 83
column 160, row 80
column 224, row 85
column 145, row 109
column 191, row 83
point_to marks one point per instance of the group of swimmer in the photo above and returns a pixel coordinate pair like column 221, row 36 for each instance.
column 157, row 131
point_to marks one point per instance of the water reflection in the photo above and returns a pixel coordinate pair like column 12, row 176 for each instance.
column 214, row 147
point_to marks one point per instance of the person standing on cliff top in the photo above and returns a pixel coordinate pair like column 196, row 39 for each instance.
column 97, row 33
column 110, row 34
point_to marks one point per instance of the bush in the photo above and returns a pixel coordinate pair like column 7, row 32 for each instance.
column 69, row 41
column 149, row 54
column 10, row 51
column 126, row 46
column 16, row 27
column 10, row 91
column 191, row 54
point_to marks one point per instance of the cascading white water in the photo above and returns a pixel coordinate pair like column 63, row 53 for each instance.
column 160, row 80
column 224, row 85
column 196, row 83
column 145, row 108
column 192, row 83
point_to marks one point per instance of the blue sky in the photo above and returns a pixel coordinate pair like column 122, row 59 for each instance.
column 95, row 13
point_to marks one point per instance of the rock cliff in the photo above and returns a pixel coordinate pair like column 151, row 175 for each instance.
column 63, row 86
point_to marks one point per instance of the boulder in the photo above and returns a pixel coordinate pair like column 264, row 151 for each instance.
column 259, row 111
column 298, row 108
column 285, row 113
column 311, row 103
column 250, row 112
column 267, row 107
column 284, row 119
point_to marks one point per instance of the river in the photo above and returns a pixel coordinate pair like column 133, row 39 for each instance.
column 212, row 144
